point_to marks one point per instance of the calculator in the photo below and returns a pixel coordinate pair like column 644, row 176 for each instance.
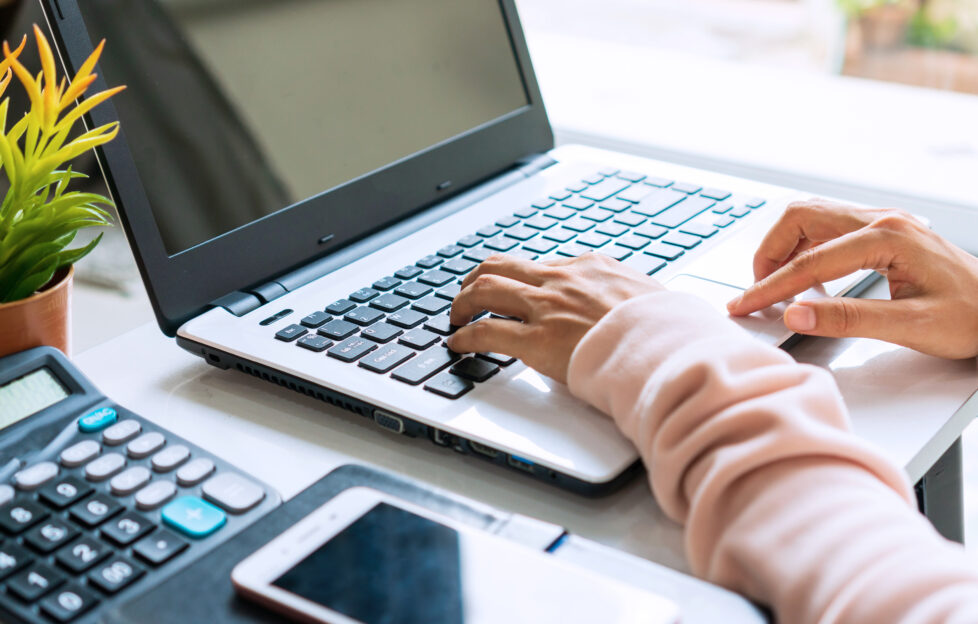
column 96, row 503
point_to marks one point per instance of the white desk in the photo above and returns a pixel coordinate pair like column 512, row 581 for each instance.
column 912, row 405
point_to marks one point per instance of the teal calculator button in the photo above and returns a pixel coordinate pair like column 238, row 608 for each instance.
column 193, row 516
column 99, row 419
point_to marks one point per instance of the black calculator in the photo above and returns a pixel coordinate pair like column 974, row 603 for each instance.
column 96, row 503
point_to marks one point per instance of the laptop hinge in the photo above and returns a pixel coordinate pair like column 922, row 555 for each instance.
column 535, row 164
column 238, row 303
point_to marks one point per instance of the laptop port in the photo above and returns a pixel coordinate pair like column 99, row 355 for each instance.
column 522, row 464
column 441, row 438
column 389, row 421
column 482, row 449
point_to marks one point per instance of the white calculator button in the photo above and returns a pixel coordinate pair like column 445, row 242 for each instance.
column 155, row 494
column 36, row 476
column 170, row 457
column 78, row 454
column 105, row 466
column 233, row 492
column 121, row 432
column 129, row 481
column 6, row 494
column 195, row 472
column 146, row 445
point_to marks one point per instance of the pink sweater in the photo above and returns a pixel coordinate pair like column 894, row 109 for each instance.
column 753, row 453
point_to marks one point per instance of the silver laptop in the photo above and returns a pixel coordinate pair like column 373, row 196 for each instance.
column 306, row 182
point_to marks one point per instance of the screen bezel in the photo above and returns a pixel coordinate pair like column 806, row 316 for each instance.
column 183, row 285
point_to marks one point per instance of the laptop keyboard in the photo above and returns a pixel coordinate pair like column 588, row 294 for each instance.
column 397, row 325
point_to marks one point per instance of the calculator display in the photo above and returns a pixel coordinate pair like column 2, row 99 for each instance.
column 29, row 395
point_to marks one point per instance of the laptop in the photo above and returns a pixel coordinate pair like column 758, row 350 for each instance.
column 305, row 183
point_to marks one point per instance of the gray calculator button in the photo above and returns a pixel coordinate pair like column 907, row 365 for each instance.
column 195, row 472
column 36, row 476
column 129, row 481
column 146, row 445
column 78, row 454
column 170, row 457
column 105, row 466
column 6, row 494
column 155, row 494
column 121, row 432
column 233, row 492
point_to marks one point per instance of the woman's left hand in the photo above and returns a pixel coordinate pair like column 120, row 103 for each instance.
column 557, row 302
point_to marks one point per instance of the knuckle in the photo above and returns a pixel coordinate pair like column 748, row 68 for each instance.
column 483, row 282
column 897, row 221
column 805, row 261
column 846, row 317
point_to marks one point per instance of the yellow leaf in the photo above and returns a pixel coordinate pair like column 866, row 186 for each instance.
column 90, row 102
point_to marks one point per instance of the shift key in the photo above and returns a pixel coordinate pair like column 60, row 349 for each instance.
column 425, row 365
column 682, row 212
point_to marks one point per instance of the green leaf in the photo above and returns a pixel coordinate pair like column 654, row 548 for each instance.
column 71, row 256
column 29, row 285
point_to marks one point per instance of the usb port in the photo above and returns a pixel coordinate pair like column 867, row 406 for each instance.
column 482, row 449
column 522, row 464
column 389, row 421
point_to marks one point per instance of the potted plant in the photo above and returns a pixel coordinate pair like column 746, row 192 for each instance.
column 879, row 24
column 40, row 215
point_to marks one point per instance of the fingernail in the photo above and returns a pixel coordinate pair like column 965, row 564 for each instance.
column 799, row 318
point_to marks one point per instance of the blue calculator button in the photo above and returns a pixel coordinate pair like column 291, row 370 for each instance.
column 193, row 516
column 99, row 419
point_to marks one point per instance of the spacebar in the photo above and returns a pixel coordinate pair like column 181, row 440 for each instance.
column 682, row 212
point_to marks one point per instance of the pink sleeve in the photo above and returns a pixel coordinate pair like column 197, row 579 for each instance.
column 752, row 452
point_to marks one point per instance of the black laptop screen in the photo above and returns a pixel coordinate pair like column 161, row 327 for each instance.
column 239, row 108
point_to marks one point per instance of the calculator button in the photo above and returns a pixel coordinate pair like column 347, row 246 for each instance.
column 82, row 555
column 146, row 445
column 121, row 432
column 193, row 516
column 78, row 454
column 127, row 528
column 104, row 467
column 49, row 536
column 68, row 603
column 194, row 472
column 35, row 476
column 155, row 494
column 159, row 547
column 127, row 482
column 170, row 457
column 64, row 492
column 12, row 558
column 115, row 574
column 6, row 494
column 21, row 515
column 34, row 582
column 95, row 511
column 233, row 492
column 97, row 420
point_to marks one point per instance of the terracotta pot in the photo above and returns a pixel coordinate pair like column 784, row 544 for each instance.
column 41, row 319
column 885, row 27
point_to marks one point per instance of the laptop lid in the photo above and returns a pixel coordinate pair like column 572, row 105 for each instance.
column 260, row 136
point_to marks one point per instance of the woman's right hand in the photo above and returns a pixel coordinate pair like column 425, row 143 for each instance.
column 933, row 284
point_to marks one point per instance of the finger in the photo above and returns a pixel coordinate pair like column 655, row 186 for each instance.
column 502, row 295
column 862, row 249
column 841, row 317
column 492, row 335
column 518, row 269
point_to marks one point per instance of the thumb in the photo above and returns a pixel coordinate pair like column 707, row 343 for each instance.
column 841, row 317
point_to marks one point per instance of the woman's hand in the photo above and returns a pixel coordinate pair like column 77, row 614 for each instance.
column 557, row 302
column 933, row 284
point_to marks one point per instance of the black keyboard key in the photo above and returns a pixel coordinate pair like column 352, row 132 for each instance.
column 631, row 176
column 560, row 235
column 20, row 515
column 488, row 231
column 68, row 603
column 386, row 283
column 470, row 241
column 291, row 333
column 34, row 582
column 475, row 369
column 450, row 251
column 449, row 292
column 480, row 254
column 419, row 339
column 82, row 555
column 651, row 231
column 645, row 263
column 578, row 224
column 448, row 385
column 497, row 358
column 50, row 535
column 754, row 202
column 521, row 233
column 315, row 342
column 632, row 242
column 630, row 219
column 342, row 306
column 316, row 319
column 612, row 229
column 573, row 250
column 352, row 349
column 699, row 229
column 389, row 302
column 598, row 215
column 407, row 319
column 560, row 213
column 95, row 510
column 364, row 316
column 616, row 205
column 723, row 222
column 408, row 272
column 159, row 547
column 682, row 212
column 425, row 365
column 686, row 187
column 12, row 558
column 458, row 266
column 440, row 325
column 605, row 189
column 560, row 195
column 429, row 262
column 666, row 252
column 658, row 201
column 413, row 290
column 363, row 295
column 592, row 239
column 637, row 193
column 386, row 358
column 114, row 574
column 500, row 243
column 616, row 252
column 127, row 528
column 578, row 203
column 506, row 222
column 338, row 329
column 525, row 213
column 63, row 492
column 542, row 203
column 713, row 193
column 436, row 278
column 540, row 246
column 381, row 332
column 540, row 223
column 686, row 241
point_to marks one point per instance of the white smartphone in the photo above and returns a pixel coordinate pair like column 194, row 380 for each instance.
column 368, row 558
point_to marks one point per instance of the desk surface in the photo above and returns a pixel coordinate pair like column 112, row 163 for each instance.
column 913, row 406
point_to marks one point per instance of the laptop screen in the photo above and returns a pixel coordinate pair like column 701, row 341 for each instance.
column 237, row 109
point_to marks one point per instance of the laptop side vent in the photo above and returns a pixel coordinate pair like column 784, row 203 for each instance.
column 305, row 388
